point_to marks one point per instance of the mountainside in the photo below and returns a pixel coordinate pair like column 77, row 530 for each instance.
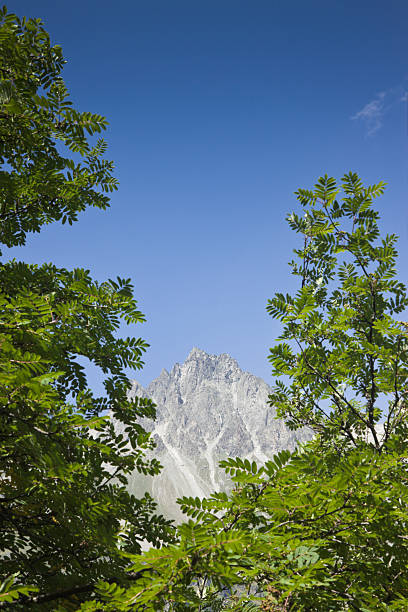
column 207, row 409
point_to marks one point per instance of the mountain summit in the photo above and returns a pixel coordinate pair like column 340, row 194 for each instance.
column 207, row 409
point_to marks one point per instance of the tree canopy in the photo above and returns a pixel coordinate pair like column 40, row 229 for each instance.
column 66, row 517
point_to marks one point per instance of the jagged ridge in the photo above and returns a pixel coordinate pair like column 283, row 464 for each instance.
column 207, row 409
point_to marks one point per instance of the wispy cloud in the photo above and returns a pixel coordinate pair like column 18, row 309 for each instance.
column 372, row 113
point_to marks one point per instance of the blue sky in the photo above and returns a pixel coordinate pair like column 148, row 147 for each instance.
column 218, row 112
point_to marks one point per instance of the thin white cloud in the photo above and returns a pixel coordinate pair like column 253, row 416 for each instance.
column 372, row 113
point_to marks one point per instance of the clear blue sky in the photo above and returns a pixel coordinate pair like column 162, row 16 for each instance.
column 219, row 110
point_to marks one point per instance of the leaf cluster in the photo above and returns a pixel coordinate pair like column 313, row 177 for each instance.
column 302, row 532
column 40, row 180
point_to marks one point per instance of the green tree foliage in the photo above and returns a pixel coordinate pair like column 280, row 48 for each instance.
column 344, row 352
column 312, row 531
column 324, row 528
column 66, row 518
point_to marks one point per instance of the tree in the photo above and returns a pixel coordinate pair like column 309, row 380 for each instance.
column 323, row 528
column 66, row 518
column 344, row 352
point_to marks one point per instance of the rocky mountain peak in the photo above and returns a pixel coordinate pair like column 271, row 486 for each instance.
column 208, row 409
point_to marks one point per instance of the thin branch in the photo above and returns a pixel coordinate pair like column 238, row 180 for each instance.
column 397, row 396
column 332, row 386
column 371, row 360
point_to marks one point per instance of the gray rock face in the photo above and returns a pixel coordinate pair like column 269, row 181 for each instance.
column 207, row 409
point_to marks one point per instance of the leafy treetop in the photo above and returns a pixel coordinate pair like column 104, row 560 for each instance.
column 38, row 183
column 342, row 349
